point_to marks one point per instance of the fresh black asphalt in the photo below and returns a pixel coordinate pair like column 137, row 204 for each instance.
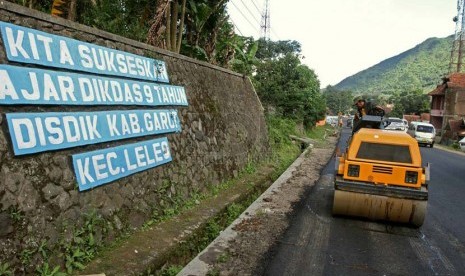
column 316, row 243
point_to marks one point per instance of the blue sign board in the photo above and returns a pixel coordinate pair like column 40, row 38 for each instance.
column 81, row 73
column 25, row 85
column 98, row 167
column 30, row 46
column 37, row 132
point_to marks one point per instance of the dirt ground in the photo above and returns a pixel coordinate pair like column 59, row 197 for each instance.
column 249, row 252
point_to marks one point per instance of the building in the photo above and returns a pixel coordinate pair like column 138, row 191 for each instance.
column 448, row 107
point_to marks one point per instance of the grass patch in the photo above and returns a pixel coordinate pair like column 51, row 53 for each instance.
column 283, row 150
column 319, row 132
column 455, row 146
column 5, row 269
column 172, row 270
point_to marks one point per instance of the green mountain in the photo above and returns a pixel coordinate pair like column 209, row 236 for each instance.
column 421, row 67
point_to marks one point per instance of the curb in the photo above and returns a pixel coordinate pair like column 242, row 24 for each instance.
column 199, row 267
column 441, row 147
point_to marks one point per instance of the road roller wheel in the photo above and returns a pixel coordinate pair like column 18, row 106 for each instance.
column 376, row 207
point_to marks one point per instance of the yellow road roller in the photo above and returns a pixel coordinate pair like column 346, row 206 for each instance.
column 380, row 177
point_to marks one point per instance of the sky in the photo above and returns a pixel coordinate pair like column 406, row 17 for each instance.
column 342, row 37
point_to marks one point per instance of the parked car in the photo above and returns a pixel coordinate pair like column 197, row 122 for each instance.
column 332, row 120
column 350, row 121
column 405, row 124
column 393, row 123
column 462, row 144
column 424, row 133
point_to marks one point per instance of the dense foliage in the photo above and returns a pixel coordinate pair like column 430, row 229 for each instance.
column 338, row 101
column 288, row 87
column 128, row 18
column 277, row 49
column 410, row 102
column 419, row 68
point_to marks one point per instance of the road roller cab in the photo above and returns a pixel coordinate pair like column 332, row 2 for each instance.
column 383, row 158
column 380, row 177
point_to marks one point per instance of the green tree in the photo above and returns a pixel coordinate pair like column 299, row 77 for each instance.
column 291, row 88
column 197, row 28
column 249, row 52
column 245, row 49
column 268, row 49
column 411, row 102
column 167, row 28
column 41, row 5
column 338, row 100
column 207, row 26
column 128, row 18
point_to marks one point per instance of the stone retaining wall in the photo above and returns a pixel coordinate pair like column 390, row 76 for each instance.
column 223, row 129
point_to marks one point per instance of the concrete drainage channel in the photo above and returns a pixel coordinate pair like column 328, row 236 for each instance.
column 177, row 240
column 187, row 249
column 198, row 266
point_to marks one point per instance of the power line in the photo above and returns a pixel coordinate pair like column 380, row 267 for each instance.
column 246, row 18
column 243, row 15
column 236, row 26
column 256, row 6
column 277, row 36
column 253, row 16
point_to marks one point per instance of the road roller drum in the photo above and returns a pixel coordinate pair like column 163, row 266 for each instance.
column 380, row 208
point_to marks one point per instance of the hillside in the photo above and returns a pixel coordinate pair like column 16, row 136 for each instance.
column 418, row 68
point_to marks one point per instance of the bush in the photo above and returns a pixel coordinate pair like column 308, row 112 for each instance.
column 279, row 129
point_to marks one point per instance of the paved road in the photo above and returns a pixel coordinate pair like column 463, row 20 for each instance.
column 318, row 244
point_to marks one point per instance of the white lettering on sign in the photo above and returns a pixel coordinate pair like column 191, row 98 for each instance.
column 36, row 132
column 32, row 46
column 54, row 130
column 23, row 85
column 102, row 166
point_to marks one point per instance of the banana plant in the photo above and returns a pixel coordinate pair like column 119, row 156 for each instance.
column 64, row 9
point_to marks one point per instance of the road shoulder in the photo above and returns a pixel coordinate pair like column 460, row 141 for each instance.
column 444, row 148
column 240, row 248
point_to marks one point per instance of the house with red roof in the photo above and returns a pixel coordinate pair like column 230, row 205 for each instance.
column 448, row 106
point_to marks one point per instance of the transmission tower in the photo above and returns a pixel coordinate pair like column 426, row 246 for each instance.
column 265, row 27
column 458, row 46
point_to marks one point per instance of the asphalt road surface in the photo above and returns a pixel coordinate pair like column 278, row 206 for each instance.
column 318, row 244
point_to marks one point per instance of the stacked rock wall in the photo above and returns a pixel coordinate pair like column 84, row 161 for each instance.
column 222, row 129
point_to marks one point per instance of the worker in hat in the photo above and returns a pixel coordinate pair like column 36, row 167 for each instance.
column 366, row 108
column 361, row 109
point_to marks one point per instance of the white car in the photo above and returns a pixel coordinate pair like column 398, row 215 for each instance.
column 424, row 133
column 405, row 124
column 395, row 124
column 462, row 144
column 332, row 120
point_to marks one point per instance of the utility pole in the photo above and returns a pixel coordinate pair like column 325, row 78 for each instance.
column 265, row 27
column 458, row 46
